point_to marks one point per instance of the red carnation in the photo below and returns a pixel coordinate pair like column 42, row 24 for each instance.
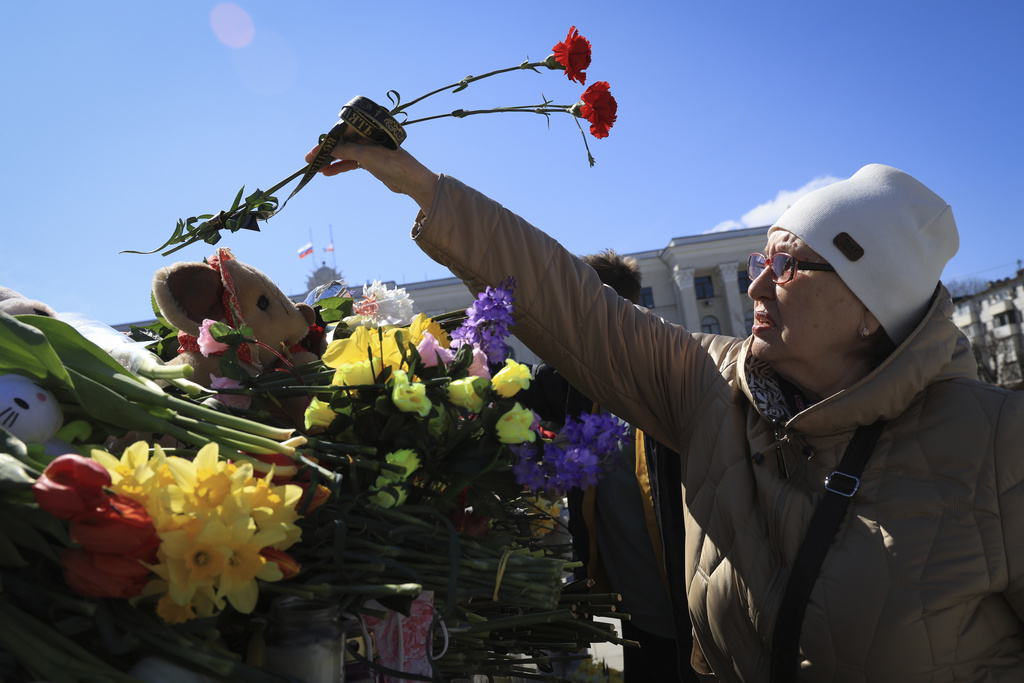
column 599, row 107
column 574, row 55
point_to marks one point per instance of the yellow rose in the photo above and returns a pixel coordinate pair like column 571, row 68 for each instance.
column 319, row 414
column 511, row 378
column 410, row 397
column 463, row 393
column 514, row 426
column 357, row 374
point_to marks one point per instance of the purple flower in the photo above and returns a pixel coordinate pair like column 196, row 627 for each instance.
column 488, row 320
column 529, row 469
column 574, row 467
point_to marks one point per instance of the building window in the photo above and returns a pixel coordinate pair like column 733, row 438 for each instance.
column 748, row 321
column 1005, row 318
column 710, row 325
column 744, row 281
column 646, row 298
column 705, row 290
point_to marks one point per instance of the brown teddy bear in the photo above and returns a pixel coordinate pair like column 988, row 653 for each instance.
column 226, row 290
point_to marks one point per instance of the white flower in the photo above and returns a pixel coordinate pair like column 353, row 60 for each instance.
column 381, row 306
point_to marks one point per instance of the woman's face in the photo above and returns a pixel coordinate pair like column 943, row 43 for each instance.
column 808, row 329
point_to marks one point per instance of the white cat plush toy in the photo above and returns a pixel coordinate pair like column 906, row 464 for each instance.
column 28, row 410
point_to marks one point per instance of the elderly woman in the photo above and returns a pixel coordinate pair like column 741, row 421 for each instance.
column 923, row 580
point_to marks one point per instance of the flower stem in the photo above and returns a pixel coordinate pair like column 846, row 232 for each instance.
column 464, row 83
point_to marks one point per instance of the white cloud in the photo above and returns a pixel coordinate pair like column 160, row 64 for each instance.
column 769, row 212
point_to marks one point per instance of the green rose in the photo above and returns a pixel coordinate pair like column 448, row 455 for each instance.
column 463, row 393
column 515, row 425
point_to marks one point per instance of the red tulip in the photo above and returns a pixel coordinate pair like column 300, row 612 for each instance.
column 72, row 486
column 320, row 495
column 103, row 576
column 288, row 564
column 122, row 528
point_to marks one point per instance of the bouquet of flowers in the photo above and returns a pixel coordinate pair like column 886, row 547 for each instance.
column 364, row 119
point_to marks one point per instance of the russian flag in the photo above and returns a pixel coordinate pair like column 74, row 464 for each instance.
column 306, row 250
column 329, row 247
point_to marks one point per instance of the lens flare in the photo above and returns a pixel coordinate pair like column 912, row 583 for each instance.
column 232, row 25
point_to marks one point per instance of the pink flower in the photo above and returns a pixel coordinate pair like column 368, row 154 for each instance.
column 431, row 352
column 207, row 344
column 479, row 368
column 241, row 401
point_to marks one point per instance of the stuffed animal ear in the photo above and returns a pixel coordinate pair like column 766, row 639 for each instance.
column 13, row 303
column 187, row 294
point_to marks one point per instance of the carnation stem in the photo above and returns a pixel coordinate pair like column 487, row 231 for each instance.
column 463, row 84
column 545, row 109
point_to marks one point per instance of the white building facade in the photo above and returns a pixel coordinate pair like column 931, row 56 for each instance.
column 698, row 281
column 991, row 320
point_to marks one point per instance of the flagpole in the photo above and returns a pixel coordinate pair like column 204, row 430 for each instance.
column 334, row 257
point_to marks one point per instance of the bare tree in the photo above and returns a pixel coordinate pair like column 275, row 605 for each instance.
column 966, row 287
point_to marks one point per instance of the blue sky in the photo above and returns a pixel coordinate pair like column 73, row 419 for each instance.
column 120, row 118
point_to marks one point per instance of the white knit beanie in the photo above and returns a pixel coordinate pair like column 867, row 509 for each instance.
column 886, row 234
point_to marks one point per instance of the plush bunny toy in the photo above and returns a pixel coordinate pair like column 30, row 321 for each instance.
column 226, row 290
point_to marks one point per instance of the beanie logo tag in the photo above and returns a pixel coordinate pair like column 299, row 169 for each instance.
column 848, row 246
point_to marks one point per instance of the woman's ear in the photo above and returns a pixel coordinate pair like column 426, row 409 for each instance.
column 869, row 322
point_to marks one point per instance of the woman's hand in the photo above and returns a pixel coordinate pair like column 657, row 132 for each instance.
column 397, row 169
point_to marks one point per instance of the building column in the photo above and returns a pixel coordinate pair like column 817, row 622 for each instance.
column 687, row 296
column 734, row 306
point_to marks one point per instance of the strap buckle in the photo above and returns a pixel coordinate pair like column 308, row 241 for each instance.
column 842, row 483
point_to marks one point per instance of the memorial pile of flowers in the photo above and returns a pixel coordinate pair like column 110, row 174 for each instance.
column 420, row 482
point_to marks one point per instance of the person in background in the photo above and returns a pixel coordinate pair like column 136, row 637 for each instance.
column 614, row 525
column 923, row 578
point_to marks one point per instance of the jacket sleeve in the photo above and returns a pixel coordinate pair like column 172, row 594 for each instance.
column 1008, row 446
column 650, row 373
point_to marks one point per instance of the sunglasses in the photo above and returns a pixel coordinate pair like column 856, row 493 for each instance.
column 783, row 267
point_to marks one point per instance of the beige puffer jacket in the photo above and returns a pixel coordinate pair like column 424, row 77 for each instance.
column 924, row 580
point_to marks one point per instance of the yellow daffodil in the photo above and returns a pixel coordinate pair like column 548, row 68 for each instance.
column 511, row 378
column 213, row 518
column 244, row 564
column 514, row 426
column 273, row 510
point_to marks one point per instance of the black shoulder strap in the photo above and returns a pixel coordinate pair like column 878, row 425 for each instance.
column 839, row 488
